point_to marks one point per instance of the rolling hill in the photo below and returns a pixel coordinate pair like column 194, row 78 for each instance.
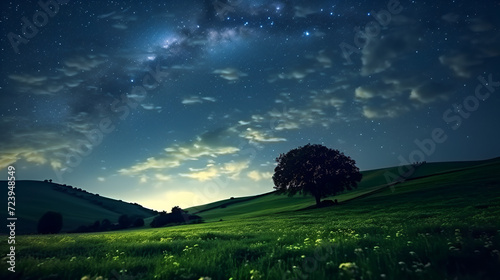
column 78, row 207
column 427, row 180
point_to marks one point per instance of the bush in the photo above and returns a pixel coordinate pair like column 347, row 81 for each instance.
column 124, row 221
column 50, row 222
column 105, row 225
column 139, row 222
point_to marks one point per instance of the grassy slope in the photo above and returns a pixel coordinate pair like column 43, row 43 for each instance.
column 436, row 227
column 34, row 198
column 372, row 180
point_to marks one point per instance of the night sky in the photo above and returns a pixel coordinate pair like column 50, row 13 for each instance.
column 169, row 103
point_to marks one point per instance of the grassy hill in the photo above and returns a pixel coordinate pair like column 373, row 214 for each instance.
column 374, row 184
column 78, row 207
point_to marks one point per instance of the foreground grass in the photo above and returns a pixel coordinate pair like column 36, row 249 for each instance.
column 392, row 243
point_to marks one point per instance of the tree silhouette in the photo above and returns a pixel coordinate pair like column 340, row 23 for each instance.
column 316, row 170
column 50, row 222
column 124, row 221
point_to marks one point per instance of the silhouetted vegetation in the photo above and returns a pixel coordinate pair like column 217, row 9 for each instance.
column 178, row 216
column 50, row 222
column 316, row 170
column 139, row 222
column 124, row 221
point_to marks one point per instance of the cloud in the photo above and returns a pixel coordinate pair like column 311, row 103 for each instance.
column 259, row 176
column 463, row 64
column 430, row 92
column 479, row 25
column 478, row 50
column 28, row 79
column 388, row 98
column 298, row 73
column 176, row 155
column 149, row 106
column 257, row 136
column 363, row 93
column 119, row 26
column 231, row 170
column 230, row 74
column 203, row 175
column 324, row 60
column 451, row 17
column 161, row 177
column 39, row 147
column 82, row 63
column 384, row 111
column 197, row 100
column 380, row 53
column 151, row 163
column 303, row 12
column 39, row 85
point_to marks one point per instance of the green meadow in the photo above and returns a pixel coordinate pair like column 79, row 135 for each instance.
column 441, row 223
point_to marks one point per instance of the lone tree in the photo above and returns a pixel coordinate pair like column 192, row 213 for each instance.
column 316, row 170
column 50, row 222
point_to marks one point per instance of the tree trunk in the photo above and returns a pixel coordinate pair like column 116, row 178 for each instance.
column 318, row 200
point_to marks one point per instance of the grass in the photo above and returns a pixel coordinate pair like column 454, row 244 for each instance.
column 444, row 226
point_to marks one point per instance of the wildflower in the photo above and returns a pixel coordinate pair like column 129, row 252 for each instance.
column 348, row 266
column 255, row 274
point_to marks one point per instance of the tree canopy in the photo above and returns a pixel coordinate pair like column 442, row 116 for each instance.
column 316, row 170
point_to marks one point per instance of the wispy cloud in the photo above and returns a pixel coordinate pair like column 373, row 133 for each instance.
column 231, row 170
column 259, row 176
column 174, row 156
column 258, row 136
column 197, row 100
column 230, row 74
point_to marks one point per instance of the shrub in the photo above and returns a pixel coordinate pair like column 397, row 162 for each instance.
column 139, row 222
column 105, row 225
column 50, row 222
column 124, row 221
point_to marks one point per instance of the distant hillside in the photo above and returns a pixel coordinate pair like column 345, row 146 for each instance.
column 78, row 207
column 434, row 177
